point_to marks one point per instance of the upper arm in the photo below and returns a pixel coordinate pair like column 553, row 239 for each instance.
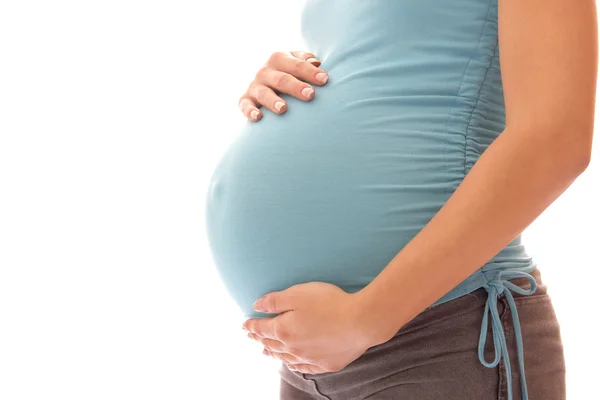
column 548, row 62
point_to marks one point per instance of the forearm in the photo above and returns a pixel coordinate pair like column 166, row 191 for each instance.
column 519, row 175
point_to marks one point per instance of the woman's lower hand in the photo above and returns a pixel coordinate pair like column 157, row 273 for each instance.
column 289, row 72
column 319, row 327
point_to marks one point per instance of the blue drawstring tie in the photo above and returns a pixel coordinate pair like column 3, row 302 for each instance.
column 500, row 284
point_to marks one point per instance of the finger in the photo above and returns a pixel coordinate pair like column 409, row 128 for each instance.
column 285, row 357
column 314, row 62
column 307, row 368
column 303, row 55
column 266, row 96
column 271, row 344
column 297, row 67
column 263, row 327
column 285, row 83
column 276, row 302
column 249, row 109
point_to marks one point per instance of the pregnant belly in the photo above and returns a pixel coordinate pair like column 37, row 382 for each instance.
column 329, row 191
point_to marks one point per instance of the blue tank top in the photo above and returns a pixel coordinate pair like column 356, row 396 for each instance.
column 333, row 189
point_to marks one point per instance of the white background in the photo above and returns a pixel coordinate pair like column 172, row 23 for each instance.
column 112, row 116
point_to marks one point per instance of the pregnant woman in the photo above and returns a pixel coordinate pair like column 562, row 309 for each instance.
column 368, row 217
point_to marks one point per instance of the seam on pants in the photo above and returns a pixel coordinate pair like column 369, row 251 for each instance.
column 316, row 387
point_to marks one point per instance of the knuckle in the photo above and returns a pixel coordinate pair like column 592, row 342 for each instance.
column 299, row 66
column 261, row 74
column 282, row 333
column 297, row 53
column 282, row 80
column 274, row 57
column 261, row 94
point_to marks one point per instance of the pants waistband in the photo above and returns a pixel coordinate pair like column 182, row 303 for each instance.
column 490, row 286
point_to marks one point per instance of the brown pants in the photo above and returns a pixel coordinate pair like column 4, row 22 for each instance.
column 435, row 356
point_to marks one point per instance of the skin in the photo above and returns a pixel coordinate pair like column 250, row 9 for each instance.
column 284, row 72
column 548, row 57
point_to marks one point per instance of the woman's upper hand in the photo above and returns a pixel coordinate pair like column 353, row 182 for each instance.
column 285, row 72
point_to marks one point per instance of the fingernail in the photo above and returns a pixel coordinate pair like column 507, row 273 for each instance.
column 254, row 114
column 313, row 60
column 279, row 105
column 322, row 77
column 257, row 306
column 307, row 92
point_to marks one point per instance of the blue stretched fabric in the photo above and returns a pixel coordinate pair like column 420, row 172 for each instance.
column 335, row 187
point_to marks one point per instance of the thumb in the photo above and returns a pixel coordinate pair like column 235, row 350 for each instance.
column 274, row 302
